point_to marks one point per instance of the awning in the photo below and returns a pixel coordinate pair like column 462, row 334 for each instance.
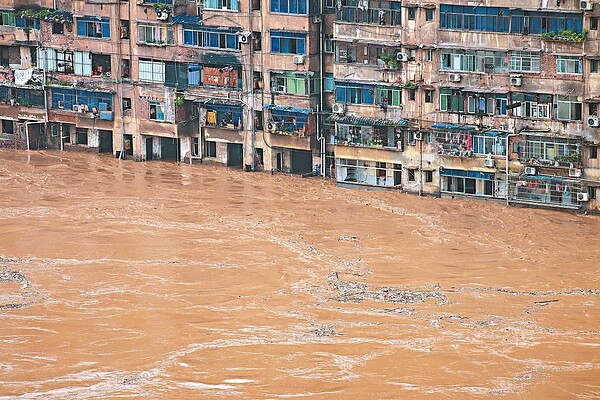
column 220, row 59
column 369, row 41
column 500, row 90
column 365, row 121
column 454, row 127
column 187, row 19
column 287, row 109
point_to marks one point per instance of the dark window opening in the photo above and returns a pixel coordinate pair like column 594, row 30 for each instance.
column 124, row 29
column 412, row 13
column 125, row 69
column 429, row 14
column 81, row 136
column 593, row 152
column 428, row 176
column 210, row 149
column 58, row 28
column 100, row 65
column 256, row 41
column 411, row 175
column 428, row 96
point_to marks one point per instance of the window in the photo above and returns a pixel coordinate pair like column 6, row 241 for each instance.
column 489, row 144
column 354, row 93
column 151, row 71
column 412, row 13
column 124, row 29
column 231, row 5
column 257, row 41
column 452, row 100
column 215, row 38
column 329, row 85
column 429, row 14
column 256, row 5
column 473, row 61
column 502, row 19
column 7, row 18
column 374, row 12
column 487, row 103
column 58, row 28
column 387, row 97
column 26, row 22
column 81, row 136
column 568, row 108
column 349, row 53
column 156, row 111
column 429, row 138
column 411, row 175
column 289, row 6
column 155, row 34
column 288, row 42
column 428, row 96
column 592, row 108
column 126, row 68
column 67, row 98
column 210, row 149
column 551, row 149
column 412, row 94
column 569, row 65
column 428, row 55
column 594, row 66
column 328, row 47
column 593, row 152
column 593, row 23
column 428, row 176
column 127, row 106
column 94, row 27
column 525, row 61
column 289, row 83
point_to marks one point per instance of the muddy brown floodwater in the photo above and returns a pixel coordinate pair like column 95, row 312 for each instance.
column 162, row 281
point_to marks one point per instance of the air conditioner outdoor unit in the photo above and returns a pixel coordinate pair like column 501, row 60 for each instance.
column 401, row 57
column 338, row 108
column 61, row 104
column 317, row 19
column 488, row 162
column 75, row 108
column 516, row 80
column 454, row 77
column 244, row 37
column 298, row 59
column 418, row 136
column 270, row 126
column 586, row 5
column 530, row 171
column 575, row 172
column 583, row 196
column 593, row 121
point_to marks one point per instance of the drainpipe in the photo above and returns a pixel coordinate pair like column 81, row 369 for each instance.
column 320, row 134
column 507, row 178
column 251, row 83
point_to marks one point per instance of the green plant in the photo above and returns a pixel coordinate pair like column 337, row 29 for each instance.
column 179, row 100
column 393, row 64
column 161, row 7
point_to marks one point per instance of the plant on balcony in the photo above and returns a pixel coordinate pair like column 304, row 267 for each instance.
column 179, row 100
column 390, row 60
column 566, row 35
column 33, row 12
column 410, row 85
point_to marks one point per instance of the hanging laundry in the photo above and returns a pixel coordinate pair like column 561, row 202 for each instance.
column 98, row 29
column 363, row 5
column 22, row 76
column 544, row 4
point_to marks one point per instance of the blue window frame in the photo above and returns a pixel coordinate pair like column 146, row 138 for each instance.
column 199, row 36
column 93, row 27
column 27, row 23
column 231, row 5
column 502, row 19
column 288, row 42
column 70, row 97
column 354, row 93
column 289, row 6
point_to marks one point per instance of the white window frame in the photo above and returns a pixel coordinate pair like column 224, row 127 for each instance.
column 519, row 60
column 151, row 71
column 572, row 65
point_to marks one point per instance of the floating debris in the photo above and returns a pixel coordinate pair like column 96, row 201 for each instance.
column 14, row 276
column 358, row 292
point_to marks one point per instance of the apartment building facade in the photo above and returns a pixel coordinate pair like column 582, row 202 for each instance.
column 447, row 98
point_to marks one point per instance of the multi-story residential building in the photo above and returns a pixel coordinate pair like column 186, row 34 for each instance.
column 469, row 99
column 446, row 98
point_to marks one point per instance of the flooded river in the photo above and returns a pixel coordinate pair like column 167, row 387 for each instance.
column 162, row 281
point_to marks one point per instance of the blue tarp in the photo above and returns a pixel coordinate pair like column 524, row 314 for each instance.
column 454, row 127
column 187, row 19
column 287, row 109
